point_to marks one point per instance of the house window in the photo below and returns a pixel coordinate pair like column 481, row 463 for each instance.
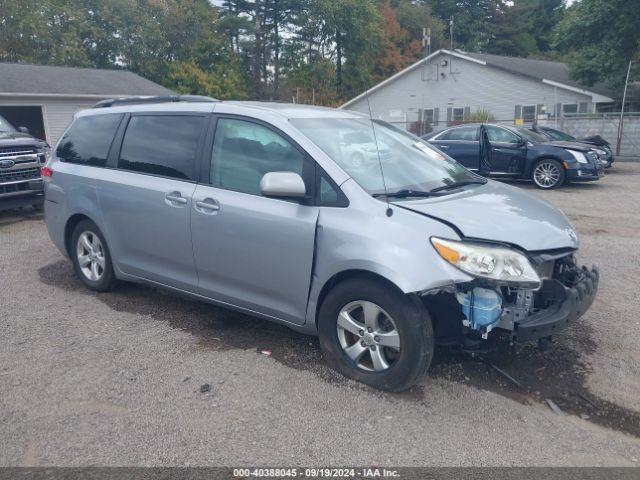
column 569, row 108
column 427, row 115
column 458, row 114
column 529, row 113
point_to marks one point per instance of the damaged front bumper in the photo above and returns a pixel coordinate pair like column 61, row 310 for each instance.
column 522, row 315
column 564, row 305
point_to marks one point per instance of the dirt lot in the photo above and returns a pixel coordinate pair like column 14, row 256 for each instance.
column 115, row 379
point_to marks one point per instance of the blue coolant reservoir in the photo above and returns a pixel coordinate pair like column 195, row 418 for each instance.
column 481, row 307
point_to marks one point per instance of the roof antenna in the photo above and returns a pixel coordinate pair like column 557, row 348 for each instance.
column 375, row 139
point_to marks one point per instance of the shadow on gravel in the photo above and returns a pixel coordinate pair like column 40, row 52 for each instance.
column 559, row 375
column 11, row 217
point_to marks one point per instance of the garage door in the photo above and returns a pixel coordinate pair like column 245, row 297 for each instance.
column 30, row 117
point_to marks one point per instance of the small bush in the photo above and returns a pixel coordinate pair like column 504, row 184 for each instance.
column 480, row 116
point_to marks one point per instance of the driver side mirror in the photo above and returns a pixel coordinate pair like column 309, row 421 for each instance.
column 23, row 129
column 282, row 185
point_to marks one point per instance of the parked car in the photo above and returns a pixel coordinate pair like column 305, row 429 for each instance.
column 519, row 153
column 21, row 157
column 596, row 142
column 259, row 207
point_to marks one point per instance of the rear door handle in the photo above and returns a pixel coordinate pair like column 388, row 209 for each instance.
column 207, row 205
column 443, row 146
column 175, row 199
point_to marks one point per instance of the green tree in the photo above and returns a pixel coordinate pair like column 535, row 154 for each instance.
column 524, row 28
column 599, row 38
column 472, row 21
column 414, row 16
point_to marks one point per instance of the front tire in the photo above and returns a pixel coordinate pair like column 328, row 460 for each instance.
column 548, row 174
column 91, row 257
column 373, row 333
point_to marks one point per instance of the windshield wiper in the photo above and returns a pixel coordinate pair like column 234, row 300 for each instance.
column 458, row 185
column 406, row 193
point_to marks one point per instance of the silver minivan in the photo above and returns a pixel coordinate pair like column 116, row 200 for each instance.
column 271, row 209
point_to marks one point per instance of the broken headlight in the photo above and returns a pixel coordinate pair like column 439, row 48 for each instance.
column 493, row 262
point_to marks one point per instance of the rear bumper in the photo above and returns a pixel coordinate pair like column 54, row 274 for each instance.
column 569, row 304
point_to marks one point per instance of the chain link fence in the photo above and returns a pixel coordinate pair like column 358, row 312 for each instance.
column 579, row 125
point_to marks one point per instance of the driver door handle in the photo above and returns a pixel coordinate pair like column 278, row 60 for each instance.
column 207, row 205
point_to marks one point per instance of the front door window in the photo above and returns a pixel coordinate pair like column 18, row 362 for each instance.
column 244, row 151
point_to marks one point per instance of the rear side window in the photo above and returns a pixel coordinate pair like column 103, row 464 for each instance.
column 88, row 140
column 162, row 145
column 461, row 133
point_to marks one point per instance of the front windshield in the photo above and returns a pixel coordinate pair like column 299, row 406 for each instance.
column 556, row 135
column 6, row 126
column 531, row 135
column 407, row 161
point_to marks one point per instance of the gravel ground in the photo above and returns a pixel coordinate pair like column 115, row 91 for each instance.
column 115, row 379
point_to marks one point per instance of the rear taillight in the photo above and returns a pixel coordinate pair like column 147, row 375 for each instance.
column 46, row 173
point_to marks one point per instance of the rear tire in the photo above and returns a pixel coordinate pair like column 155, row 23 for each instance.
column 548, row 174
column 91, row 257
column 373, row 333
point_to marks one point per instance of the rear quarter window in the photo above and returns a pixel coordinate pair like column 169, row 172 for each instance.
column 166, row 146
column 88, row 140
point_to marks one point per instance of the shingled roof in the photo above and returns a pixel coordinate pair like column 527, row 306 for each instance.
column 21, row 78
column 538, row 69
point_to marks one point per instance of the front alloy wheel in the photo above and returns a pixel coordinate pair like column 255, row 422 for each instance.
column 374, row 333
column 368, row 335
column 548, row 174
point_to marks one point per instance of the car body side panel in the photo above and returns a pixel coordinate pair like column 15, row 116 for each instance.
column 363, row 237
column 254, row 252
column 508, row 157
column 149, row 236
column 465, row 152
column 56, row 214
column 75, row 191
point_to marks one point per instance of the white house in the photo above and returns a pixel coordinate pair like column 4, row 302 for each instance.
column 45, row 98
column 445, row 87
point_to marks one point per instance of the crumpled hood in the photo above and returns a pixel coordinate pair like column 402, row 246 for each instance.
column 501, row 213
column 582, row 147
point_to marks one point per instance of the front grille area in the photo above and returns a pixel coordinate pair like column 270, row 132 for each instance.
column 592, row 157
column 15, row 151
column 19, row 174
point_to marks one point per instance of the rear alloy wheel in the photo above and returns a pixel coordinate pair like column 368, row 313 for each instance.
column 90, row 254
column 91, row 257
column 370, row 331
column 548, row 174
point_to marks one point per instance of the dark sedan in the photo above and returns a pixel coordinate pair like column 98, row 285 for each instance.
column 519, row 153
column 597, row 143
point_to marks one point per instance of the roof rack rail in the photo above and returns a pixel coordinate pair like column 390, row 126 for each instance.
column 113, row 102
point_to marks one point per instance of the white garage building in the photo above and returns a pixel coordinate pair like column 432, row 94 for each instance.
column 45, row 98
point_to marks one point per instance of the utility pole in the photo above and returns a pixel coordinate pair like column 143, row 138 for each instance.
column 451, row 31
column 624, row 97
